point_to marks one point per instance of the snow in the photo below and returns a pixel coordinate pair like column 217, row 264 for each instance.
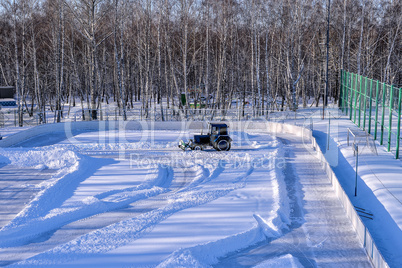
column 5, row 132
column 3, row 159
column 87, row 186
column 283, row 261
column 378, row 180
column 378, row 185
column 132, row 198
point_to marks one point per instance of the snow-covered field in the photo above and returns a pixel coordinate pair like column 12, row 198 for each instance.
column 145, row 203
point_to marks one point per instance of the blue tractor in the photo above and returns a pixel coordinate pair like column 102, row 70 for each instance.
column 217, row 137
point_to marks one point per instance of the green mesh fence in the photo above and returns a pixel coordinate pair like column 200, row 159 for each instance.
column 373, row 106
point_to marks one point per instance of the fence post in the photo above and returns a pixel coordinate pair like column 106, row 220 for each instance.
column 382, row 116
column 398, row 134
column 351, row 96
column 370, row 105
column 352, row 91
column 391, row 100
column 347, row 92
column 355, row 106
column 345, row 95
column 360, row 98
column 353, row 83
column 365, row 103
column 376, row 109
column 344, row 90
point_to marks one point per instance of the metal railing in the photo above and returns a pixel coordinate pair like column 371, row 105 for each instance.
column 373, row 106
column 9, row 118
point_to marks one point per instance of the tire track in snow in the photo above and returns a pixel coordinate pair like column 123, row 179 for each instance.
column 123, row 232
column 98, row 204
column 205, row 177
column 19, row 186
column 187, row 178
column 102, row 216
column 207, row 254
column 85, row 225
column 320, row 234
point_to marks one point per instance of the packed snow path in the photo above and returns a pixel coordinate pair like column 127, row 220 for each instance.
column 17, row 188
column 320, row 233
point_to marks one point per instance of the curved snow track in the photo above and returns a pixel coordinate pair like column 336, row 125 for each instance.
column 153, row 204
column 319, row 234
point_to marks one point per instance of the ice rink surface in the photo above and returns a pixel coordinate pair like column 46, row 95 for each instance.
column 135, row 199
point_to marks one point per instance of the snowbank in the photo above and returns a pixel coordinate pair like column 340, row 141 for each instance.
column 56, row 158
column 4, row 160
column 282, row 261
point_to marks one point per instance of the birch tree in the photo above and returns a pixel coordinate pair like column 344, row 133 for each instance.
column 119, row 56
column 88, row 18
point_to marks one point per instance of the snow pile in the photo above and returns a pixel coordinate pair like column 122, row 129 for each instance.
column 3, row 159
column 208, row 254
column 54, row 158
column 183, row 258
column 241, row 138
column 283, row 261
column 105, row 148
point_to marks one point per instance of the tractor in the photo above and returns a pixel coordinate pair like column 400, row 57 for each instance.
column 217, row 137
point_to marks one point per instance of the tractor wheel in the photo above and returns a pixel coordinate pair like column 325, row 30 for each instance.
column 222, row 145
column 197, row 148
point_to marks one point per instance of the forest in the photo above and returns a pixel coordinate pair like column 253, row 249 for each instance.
column 268, row 53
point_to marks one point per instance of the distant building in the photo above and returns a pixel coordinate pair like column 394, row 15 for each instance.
column 7, row 97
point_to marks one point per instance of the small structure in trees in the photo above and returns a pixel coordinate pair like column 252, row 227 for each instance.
column 7, row 97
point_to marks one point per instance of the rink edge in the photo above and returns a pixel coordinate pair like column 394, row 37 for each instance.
column 305, row 134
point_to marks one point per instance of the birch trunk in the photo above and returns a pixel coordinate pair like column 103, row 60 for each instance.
column 119, row 61
column 17, row 67
column 360, row 40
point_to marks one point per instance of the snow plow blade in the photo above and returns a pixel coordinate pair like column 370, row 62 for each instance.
column 183, row 145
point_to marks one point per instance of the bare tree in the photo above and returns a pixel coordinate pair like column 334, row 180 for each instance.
column 119, row 57
column 256, row 51
column 88, row 19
